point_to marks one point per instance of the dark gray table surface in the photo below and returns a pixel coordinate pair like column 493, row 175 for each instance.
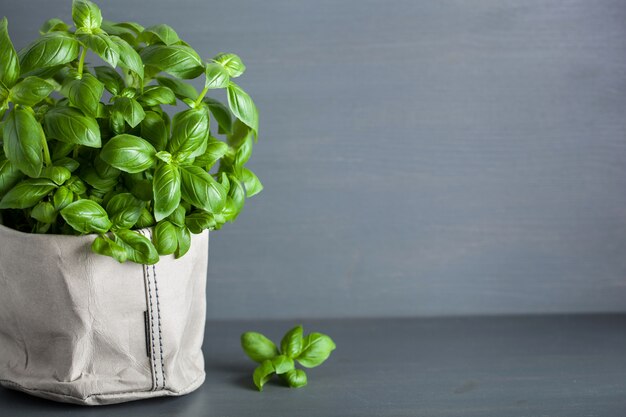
column 484, row 366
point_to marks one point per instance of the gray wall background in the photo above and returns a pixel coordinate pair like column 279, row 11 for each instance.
column 420, row 157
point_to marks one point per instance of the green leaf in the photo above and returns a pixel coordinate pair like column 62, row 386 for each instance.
column 165, row 238
column 57, row 174
column 258, row 347
column 221, row 114
column 201, row 190
column 111, row 79
column 232, row 63
column 155, row 95
column 86, row 14
column 85, row 93
column 105, row 246
column 316, row 349
column 23, row 141
column 70, row 125
column 159, row 34
column 86, row 216
column 44, row 212
column 52, row 49
column 199, row 221
column 178, row 60
column 9, row 176
column 282, row 364
column 68, row 163
column 62, row 198
column 262, row 374
column 166, row 190
column 153, row 130
column 9, row 63
column 296, row 378
column 30, row 91
column 145, row 220
column 216, row 76
column 53, row 25
column 124, row 210
column 129, row 58
column 213, row 152
column 129, row 109
column 128, row 153
column 76, row 185
column 243, row 107
column 139, row 249
column 235, row 200
column 184, row 241
column 139, row 186
column 190, row 129
column 27, row 193
column 102, row 45
column 251, row 182
column 180, row 88
column 178, row 216
column 292, row 342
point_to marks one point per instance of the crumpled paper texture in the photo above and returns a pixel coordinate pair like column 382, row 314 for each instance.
column 82, row 328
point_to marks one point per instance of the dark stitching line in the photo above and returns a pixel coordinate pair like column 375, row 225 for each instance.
column 156, row 374
column 156, row 288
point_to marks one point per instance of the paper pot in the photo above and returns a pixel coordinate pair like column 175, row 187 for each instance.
column 82, row 328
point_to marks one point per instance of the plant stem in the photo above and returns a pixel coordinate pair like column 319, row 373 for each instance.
column 81, row 62
column 46, row 152
column 201, row 96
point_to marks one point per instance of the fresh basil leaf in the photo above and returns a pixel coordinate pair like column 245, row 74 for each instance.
column 9, row 63
column 54, row 25
column 296, row 378
column 57, row 174
column 232, row 63
column 23, row 141
column 70, row 125
column 145, row 220
column 105, row 246
column 102, row 45
column 50, row 50
column 213, row 152
column 262, row 374
column 133, row 27
column 180, row 88
column 63, row 196
column 129, row 109
column 154, row 130
column 316, row 348
column 86, row 14
column 166, row 190
column 235, row 200
column 199, row 221
column 292, row 343
column 155, row 95
column 86, row 216
column 76, row 185
column 190, row 128
column 216, row 76
column 239, row 135
column 244, row 152
column 184, row 241
column 67, row 163
column 124, row 210
column 178, row 60
column 30, row 91
column 111, row 79
column 201, row 190
column 9, row 176
column 258, row 347
column 139, row 186
column 165, row 238
column 85, row 93
column 128, row 153
column 129, row 58
column 159, row 34
column 104, row 170
column 221, row 114
column 251, row 182
column 178, row 216
column 139, row 249
column 282, row 364
column 26, row 193
column 243, row 107
column 44, row 212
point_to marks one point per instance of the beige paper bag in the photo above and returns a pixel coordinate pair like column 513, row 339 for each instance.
column 82, row 328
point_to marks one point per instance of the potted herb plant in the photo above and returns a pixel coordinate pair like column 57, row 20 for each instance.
column 101, row 192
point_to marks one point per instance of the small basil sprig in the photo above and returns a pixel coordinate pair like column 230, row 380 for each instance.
column 309, row 351
column 77, row 160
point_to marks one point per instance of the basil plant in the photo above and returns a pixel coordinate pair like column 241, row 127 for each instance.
column 92, row 150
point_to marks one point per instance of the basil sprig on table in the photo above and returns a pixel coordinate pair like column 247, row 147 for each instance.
column 309, row 351
column 93, row 150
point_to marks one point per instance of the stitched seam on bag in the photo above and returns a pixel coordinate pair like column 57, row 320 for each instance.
column 158, row 303
column 153, row 362
column 97, row 395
